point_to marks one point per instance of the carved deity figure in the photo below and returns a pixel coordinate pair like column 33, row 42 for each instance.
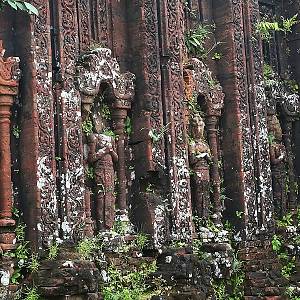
column 278, row 164
column 102, row 156
column 199, row 158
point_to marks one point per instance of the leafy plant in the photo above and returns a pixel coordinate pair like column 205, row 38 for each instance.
column 16, row 131
column 87, row 247
column 217, row 56
column 19, row 5
column 128, row 126
column 87, row 126
column 267, row 28
column 34, row 263
column 288, row 23
column 120, row 227
column 141, row 240
column 128, row 284
column 276, row 243
column 195, row 40
column 289, row 268
column 286, row 221
column 109, row 132
column 90, row 172
column 157, row 135
column 32, row 294
column 53, row 251
column 105, row 111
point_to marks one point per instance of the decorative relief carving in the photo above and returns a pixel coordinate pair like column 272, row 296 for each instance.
column 72, row 217
column 173, row 91
column 46, row 169
column 95, row 69
column 199, row 159
column 9, row 81
column 278, row 158
column 200, row 83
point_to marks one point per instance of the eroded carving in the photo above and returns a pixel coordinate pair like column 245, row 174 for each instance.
column 199, row 159
column 98, row 73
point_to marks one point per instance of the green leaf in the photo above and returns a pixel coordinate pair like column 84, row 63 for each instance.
column 32, row 9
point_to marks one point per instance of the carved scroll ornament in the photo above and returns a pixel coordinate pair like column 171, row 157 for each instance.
column 9, row 75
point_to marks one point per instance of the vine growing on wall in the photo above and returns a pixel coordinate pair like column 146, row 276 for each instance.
column 19, row 5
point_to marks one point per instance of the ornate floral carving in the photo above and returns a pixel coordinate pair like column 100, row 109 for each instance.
column 46, row 166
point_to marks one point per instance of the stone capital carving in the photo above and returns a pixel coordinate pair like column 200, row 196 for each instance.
column 9, row 73
column 97, row 67
column 206, row 85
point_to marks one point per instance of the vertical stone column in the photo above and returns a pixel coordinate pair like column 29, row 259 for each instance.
column 212, row 132
column 8, row 90
column 246, row 161
column 119, row 115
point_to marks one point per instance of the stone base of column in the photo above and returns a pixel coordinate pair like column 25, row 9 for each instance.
column 7, row 235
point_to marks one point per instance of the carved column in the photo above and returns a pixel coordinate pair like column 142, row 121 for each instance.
column 8, row 90
column 212, row 132
column 119, row 115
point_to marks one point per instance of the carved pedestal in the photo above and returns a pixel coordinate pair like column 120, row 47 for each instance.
column 8, row 89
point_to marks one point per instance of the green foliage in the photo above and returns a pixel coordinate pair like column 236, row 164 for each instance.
column 289, row 268
column 34, row 263
column 105, row 111
column 87, row 126
column 53, row 251
column 90, row 172
column 195, row 40
column 32, row 294
column 16, row 131
column 19, row 5
column 268, row 71
column 128, row 126
column 120, row 227
column 141, row 241
column 286, row 221
column 217, row 56
column 128, row 284
column 157, row 135
column 239, row 214
column 292, row 85
column 287, row 24
column 109, row 132
column 87, row 247
column 271, row 138
column 290, row 292
column 267, row 28
column 276, row 243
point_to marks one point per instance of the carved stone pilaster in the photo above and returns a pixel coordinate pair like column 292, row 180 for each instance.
column 8, row 90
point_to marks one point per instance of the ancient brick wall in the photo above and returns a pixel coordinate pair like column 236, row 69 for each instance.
column 116, row 120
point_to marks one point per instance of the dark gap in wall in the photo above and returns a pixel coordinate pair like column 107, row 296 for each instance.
column 57, row 80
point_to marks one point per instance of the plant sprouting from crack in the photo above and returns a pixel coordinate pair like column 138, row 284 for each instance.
column 157, row 135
